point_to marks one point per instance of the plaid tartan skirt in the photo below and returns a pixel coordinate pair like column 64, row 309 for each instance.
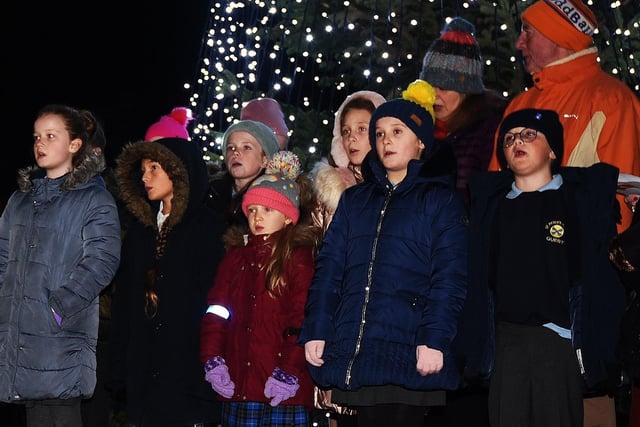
column 255, row 414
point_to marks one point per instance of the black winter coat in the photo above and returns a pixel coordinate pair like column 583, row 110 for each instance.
column 221, row 197
column 158, row 357
column 627, row 244
column 597, row 296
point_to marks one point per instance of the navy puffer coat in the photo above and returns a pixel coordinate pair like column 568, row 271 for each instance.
column 391, row 275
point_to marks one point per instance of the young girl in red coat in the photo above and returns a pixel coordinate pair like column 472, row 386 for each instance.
column 256, row 305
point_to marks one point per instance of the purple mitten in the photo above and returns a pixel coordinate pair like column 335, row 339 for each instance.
column 280, row 386
column 217, row 373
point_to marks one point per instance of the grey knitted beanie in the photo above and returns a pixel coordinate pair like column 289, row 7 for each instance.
column 453, row 61
column 261, row 132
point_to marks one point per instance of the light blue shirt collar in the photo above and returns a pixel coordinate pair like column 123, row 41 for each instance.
column 554, row 184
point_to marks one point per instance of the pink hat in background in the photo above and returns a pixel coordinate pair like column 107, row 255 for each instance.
column 269, row 112
column 173, row 125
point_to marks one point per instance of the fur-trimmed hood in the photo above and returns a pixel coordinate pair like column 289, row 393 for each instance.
column 338, row 153
column 329, row 182
column 181, row 160
column 93, row 164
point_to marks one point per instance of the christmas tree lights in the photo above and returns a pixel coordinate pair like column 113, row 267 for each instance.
column 309, row 55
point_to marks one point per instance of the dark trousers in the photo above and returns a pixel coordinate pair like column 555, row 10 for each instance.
column 536, row 380
column 390, row 414
column 53, row 413
column 190, row 425
column 95, row 411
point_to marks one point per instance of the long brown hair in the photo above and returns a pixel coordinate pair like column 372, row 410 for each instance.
column 286, row 241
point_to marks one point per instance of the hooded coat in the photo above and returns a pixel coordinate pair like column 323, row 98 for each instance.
column 391, row 275
column 157, row 356
column 59, row 248
column 330, row 181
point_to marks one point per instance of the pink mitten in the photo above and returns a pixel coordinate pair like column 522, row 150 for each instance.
column 217, row 374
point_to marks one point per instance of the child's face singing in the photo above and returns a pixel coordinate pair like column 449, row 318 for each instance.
column 52, row 147
column 528, row 158
column 244, row 156
column 156, row 182
column 355, row 134
column 265, row 220
column 396, row 145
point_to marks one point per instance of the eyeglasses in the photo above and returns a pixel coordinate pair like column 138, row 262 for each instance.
column 525, row 135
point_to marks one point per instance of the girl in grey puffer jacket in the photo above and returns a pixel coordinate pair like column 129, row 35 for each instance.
column 59, row 247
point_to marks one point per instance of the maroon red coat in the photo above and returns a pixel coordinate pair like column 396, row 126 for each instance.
column 261, row 331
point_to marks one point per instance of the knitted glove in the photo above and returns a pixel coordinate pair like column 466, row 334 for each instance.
column 280, row 386
column 217, row 374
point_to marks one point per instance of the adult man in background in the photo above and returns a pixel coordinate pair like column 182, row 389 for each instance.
column 599, row 113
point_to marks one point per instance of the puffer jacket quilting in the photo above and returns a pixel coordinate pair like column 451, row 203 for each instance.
column 394, row 262
column 48, row 259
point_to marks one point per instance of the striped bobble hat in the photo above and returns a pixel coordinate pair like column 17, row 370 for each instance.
column 277, row 187
column 453, row 61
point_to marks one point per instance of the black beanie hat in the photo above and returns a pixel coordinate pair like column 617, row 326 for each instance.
column 545, row 121
column 453, row 61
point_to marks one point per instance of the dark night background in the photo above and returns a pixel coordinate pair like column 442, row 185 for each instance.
column 126, row 61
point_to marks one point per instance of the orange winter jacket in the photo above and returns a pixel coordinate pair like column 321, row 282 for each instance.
column 599, row 113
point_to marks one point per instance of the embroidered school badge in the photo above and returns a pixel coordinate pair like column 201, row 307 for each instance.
column 555, row 232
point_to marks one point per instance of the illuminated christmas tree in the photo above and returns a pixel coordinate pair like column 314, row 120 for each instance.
column 309, row 55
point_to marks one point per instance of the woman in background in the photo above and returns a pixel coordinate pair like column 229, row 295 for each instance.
column 467, row 114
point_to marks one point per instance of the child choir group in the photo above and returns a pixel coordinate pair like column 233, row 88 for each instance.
column 450, row 237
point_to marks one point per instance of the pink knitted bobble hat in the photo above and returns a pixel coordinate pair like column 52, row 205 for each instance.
column 277, row 188
column 173, row 125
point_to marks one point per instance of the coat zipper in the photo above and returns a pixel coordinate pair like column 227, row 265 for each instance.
column 363, row 314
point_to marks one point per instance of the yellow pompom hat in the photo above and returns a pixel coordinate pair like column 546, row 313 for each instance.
column 415, row 109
